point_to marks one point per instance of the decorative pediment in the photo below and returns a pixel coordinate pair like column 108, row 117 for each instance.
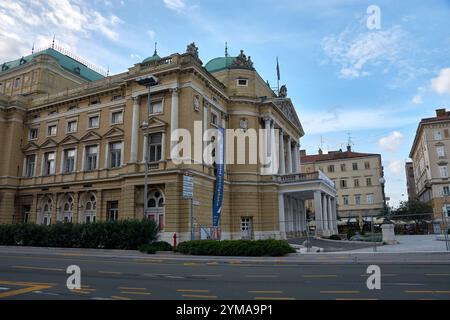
column 155, row 124
column 442, row 163
column 114, row 133
column 439, row 144
column 91, row 136
column 286, row 107
column 70, row 139
column 30, row 147
column 49, row 143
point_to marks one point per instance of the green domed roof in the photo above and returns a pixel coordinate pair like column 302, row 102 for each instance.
column 154, row 57
column 218, row 64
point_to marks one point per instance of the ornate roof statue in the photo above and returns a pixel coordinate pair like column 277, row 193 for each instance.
column 241, row 62
column 283, row 91
column 192, row 49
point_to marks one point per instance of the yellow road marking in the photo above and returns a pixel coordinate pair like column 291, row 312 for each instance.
column 119, row 298
column 355, row 299
column 136, row 293
column 266, row 291
column 341, row 292
column 72, row 255
column 189, row 264
column 22, row 283
column 129, row 288
column 273, row 298
column 37, row 268
column 188, row 290
column 110, row 272
column 319, row 276
column 198, row 296
column 212, row 263
column 260, row 276
column 419, row 291
column 23, row 290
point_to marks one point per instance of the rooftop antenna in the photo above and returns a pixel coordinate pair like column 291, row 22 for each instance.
column 53, row 42
column 107, row 72
column 226, row 49
column 349, row 140
column 321, row 142
column 278, row 76
column 32, row 49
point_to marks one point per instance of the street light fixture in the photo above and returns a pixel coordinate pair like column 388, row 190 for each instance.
column 147, row 81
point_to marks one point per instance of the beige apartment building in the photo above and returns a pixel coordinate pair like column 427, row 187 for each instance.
column 357, row 179
column 73, row 147
column 410, row 181
column 430, row 153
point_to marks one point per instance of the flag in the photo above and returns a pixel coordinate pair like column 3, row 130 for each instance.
column 278, row 70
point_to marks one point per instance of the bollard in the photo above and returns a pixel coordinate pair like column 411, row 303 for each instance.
column 174, row 241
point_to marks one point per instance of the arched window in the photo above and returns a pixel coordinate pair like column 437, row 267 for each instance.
column 46, row 211
column 156, row 204
column 90, row 208
column 67, row 208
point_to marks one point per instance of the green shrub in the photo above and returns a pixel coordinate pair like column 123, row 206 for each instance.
column 335, row 237
column 124, row 234
column 350, row 233
column 153, row 247
column 238, row 248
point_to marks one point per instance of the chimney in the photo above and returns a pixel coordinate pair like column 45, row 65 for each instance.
column 440, row 112
column 303, row 153
column 349, row 148
column 320, row 151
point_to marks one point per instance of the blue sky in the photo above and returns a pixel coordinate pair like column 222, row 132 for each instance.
column 343, row 78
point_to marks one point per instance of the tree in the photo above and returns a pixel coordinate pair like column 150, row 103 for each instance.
column 413, row 210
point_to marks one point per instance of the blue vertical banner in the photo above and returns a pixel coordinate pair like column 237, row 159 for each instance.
column 220, row 165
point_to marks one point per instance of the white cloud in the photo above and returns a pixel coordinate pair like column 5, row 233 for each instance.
column 151, row 34
column 417, row 99
column 358, row 50
column 392, row 141
column 176, row 5
column 396, row 167
column 24, row 22
column 441, row 84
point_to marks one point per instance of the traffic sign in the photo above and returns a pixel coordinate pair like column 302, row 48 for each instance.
column 188, row 186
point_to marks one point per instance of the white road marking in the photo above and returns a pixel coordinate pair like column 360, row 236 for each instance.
column 3, row 288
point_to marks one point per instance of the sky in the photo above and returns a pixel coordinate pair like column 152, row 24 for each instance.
column 348, row 82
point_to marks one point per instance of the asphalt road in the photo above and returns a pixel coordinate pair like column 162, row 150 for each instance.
column 38, row 274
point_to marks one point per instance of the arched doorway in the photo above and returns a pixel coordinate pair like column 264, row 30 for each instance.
column 45, row 211
column 65, row 213
column 89, row 208
column 156, row 207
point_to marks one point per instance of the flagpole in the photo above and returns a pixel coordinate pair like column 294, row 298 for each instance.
column 278, row 76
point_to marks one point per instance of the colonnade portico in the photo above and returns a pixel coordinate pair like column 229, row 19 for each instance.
column 325, row 213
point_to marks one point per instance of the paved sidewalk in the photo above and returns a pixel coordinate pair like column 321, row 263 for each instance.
column 411, row 243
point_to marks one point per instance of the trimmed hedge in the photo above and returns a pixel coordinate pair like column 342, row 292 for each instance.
column 123, row 234
column 240, row 248
column 334, row 237
column 153, row 247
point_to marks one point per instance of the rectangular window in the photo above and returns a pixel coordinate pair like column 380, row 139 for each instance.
column 115, row 154
column 356, row 183
column 343, row 183
column 30, row 165
column 446, row 135
column 440, row 151
column 214, row 118
column 357, row 199
column 355, row 166
column 51, row 130
column 242, row 82
column 369, row 182
column 446, row 191
column 49, row 163
column 367, row 165
column 345, row 199
column 17, row 83
column 33, row 134
column 443, row 171
column 343, row 167
column 72, row 126
column 69, row 160
column 331, row 168
column 113, row 210
column 91, row 158
column 117, row 117
column 93, row 122
column 437, row 135
column 156, row 107
column 155, row 147
column 370, row 199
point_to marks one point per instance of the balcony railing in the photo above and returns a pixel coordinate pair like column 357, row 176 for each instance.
column 304, row 177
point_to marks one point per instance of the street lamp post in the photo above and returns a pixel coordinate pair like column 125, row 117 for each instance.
column 148, row 81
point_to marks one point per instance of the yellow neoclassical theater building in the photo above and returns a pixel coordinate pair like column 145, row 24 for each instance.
column 73, row 144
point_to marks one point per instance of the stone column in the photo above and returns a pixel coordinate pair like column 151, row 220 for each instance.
column 75, row 208
column 33, row 209
column 289, row 154
column 174, row 115
column 100, row 213
column 330, row 215
column 135, row 131
column 296, row 158
column 282, row 155
column 281, row 216
column 54, row 208
column 267, row 127
column 324, row 214
column 334, row 212
column 318, row 211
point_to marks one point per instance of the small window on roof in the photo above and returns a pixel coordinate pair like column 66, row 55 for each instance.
column 77, row 70
column 23, row 61
column 242, row 82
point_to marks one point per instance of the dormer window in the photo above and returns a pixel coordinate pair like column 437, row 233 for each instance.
column 77, row 70
column 95, row 101
column 23, row 61
column 242, row 82
column 4, row 67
